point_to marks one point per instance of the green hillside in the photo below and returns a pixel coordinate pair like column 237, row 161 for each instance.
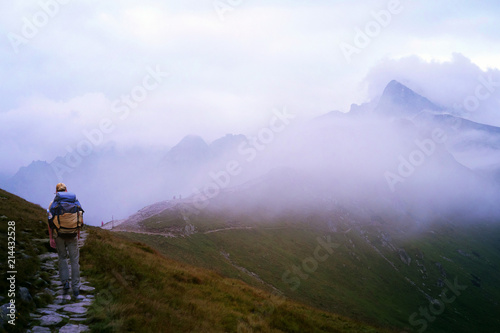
column 441, row 277
column 140, row 290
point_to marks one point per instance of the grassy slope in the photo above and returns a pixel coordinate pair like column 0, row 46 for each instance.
column 141, row 290
column 356, row 280
column 30, row 224
column 269, row 253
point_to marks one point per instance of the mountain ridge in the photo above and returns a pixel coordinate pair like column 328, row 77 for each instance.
column 187, row 166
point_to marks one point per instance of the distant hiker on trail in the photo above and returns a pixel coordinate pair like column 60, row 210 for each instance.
column 65, row 218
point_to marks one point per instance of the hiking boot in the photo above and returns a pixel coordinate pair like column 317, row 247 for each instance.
column 76, row 293
column 66, row 285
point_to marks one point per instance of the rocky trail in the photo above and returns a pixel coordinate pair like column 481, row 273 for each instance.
column 66, row 314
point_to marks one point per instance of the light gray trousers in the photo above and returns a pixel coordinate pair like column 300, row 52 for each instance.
column 65, row 247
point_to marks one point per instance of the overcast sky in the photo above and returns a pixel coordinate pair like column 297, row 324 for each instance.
column 151, row 72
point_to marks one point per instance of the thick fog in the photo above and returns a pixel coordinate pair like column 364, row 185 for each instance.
column 378, row 163
column 130, row 104
column 399, row 152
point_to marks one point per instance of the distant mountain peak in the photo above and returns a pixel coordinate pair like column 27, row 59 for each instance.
column 192, row 139
column 400, row 101
column 192, row 148
column 396, row 84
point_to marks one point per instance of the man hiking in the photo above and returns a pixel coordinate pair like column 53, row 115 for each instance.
column 65, row 218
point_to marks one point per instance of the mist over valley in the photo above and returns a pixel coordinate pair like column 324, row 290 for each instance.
column 255, row 166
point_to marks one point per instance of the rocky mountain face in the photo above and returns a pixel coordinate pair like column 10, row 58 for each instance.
column 399, row 101
column 191, row 150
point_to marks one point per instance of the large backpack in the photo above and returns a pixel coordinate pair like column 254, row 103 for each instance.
column 67, row 214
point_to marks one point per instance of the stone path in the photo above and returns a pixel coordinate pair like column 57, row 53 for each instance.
column 65, row 314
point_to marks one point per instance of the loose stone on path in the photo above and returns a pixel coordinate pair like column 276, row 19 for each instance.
column 65, row 314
